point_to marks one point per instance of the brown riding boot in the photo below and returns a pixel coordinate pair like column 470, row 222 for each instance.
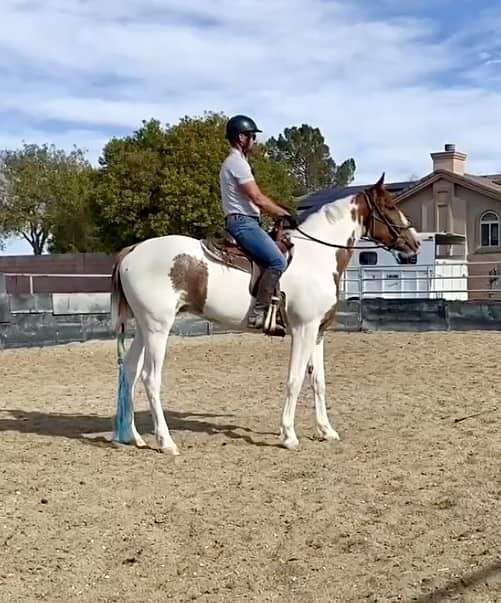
column 265, row 290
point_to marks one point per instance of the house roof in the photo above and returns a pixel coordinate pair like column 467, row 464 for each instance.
column 495, row 178
column 316, row 200
column 492, row 181
column 489, row 185
column 481, row 184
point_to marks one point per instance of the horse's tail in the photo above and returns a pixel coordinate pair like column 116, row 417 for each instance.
column 120, row 309
column 120, row 312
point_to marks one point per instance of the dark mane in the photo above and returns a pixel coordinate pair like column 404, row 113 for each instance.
column 310, row 204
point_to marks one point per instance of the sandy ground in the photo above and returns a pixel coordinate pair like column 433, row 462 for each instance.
column 405, row 508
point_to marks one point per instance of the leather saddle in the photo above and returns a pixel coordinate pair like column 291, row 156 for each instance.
column 225, row 250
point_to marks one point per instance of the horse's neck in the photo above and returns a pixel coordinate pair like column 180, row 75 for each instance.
column 335, row 223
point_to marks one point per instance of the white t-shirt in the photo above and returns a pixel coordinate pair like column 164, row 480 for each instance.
column 234, row 171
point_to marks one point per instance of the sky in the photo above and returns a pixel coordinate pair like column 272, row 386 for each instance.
column 386, row 81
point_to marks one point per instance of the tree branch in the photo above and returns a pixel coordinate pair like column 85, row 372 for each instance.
column 45, row 236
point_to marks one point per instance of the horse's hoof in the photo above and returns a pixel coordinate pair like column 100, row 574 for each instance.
column 170, row 450
column 117, row 443
column 120, row 442
column 328, row 436
column 133, row 440
column 290, row 443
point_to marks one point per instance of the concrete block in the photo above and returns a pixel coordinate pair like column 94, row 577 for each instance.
column 348, row 316
column 404, row 315
column 465, row 316
column 33, row 330
column 188, row 325
column 4, row 308
column 27, row 330
column 81, row 303
column 97, row 326
column 26, row 303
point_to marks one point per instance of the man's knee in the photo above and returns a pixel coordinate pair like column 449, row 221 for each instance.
column 278, row 263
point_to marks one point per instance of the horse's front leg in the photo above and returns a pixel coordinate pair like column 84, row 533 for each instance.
column 303, row 341
column 316, row 374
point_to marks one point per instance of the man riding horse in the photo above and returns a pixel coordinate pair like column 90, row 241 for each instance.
column 243, row 203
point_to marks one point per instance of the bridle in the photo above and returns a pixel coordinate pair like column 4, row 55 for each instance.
column 375, row 215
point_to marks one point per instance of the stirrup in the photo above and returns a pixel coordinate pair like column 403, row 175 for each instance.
column 271, row 327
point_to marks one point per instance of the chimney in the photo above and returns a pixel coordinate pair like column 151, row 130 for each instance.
column 449, row 159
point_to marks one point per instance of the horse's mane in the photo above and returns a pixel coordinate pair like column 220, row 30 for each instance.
column 304, row 214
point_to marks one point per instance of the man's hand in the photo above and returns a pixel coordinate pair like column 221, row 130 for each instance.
column 291, row 222
column 282, row 212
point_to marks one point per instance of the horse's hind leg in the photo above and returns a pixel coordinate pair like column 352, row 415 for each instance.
column 133, row 365
column 155, row 344
column 137, row 361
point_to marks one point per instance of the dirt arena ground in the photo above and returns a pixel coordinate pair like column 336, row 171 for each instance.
column 405, row 508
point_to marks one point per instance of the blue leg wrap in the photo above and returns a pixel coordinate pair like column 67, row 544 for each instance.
column 123, row 418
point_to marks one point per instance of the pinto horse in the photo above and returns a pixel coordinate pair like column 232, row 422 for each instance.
column 153, row 280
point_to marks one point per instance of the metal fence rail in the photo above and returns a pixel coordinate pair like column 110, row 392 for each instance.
column 480, row 279
column 467, row 280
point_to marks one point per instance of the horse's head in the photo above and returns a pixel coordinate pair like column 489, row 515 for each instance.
column 384, row 223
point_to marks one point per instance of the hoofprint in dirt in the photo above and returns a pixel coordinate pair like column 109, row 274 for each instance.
column 406, row 507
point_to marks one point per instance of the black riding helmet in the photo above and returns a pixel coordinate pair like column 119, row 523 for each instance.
column 240, row 124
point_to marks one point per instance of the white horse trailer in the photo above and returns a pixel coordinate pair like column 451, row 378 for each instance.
column 440, row 270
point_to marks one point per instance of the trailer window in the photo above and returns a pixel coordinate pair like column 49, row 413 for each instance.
column 407, row 260
column 367, row 258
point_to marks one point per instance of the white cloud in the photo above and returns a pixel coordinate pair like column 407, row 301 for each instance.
column 89, row 140
column 386, row 91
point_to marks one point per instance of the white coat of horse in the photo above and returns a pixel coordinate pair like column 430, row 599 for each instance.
column 153, row 280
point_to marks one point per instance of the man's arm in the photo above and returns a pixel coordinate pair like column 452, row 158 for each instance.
column 252, row 190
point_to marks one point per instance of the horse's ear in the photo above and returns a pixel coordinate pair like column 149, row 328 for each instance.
column 380, row 183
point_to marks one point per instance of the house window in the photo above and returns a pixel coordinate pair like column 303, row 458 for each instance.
column 489, row 229
column 368, row 258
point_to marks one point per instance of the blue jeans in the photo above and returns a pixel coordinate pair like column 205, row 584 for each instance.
column 255, row 241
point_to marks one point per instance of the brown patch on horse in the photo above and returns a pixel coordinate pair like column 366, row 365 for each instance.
column 343, row 257
column 360, row 209
column 190, row 275
column 327, row 320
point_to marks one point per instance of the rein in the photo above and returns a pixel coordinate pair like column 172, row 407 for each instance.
column 373, row 209
column 312, row 238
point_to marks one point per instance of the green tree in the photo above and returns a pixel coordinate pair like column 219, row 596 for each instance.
column 307, row 157
column 75, row 229
column 163, row 181
column 43, row 195
column 272, row 176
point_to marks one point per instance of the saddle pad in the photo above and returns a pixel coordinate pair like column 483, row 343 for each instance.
column 215, row 249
